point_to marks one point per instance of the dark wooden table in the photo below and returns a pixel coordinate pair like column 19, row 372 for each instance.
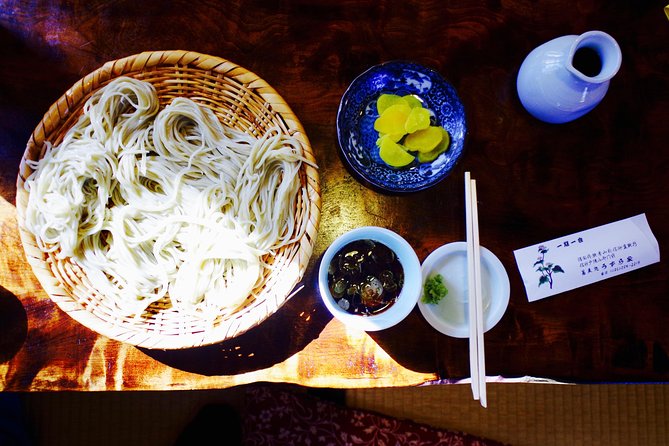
column 536, row 181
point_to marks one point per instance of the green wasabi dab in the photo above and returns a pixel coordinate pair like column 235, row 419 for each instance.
column 434, row 289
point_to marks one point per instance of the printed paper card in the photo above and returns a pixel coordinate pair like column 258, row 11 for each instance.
column 586, row 257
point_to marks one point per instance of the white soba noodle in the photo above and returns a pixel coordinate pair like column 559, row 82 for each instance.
column 154, row 203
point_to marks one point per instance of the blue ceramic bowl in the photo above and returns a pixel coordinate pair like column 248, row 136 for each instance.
column 357, row 137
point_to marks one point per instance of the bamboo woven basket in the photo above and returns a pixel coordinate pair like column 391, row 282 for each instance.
column 241, row 100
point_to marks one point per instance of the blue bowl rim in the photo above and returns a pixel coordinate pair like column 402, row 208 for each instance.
column 361, row 175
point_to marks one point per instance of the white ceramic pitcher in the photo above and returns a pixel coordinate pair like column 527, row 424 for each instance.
column 566, row 77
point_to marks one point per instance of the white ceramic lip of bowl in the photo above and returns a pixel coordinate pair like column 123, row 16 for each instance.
column 450, row 261
column 411, row 289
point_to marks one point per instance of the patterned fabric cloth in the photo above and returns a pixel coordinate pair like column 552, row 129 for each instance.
column 278, row 417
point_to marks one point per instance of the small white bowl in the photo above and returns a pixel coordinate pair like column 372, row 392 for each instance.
column 411, row 290
column 450, row 316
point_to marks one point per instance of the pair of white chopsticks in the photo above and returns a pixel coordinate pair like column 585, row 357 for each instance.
column 476, row 347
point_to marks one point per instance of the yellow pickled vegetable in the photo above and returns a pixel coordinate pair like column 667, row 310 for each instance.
column 392, row 119
column 445, row 140
column 386, row 100
column 413, row 101
column 424, row 140
column 393, row 154
column 405, row 132
column 426, row 157
column 395, row 137
column 418, row 119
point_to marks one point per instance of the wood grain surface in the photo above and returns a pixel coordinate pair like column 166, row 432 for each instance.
column 535, row 181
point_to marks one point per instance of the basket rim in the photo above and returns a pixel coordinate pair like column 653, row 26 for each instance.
column 70, row 103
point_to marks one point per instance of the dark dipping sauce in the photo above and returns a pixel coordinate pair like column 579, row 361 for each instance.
column 365, row 277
